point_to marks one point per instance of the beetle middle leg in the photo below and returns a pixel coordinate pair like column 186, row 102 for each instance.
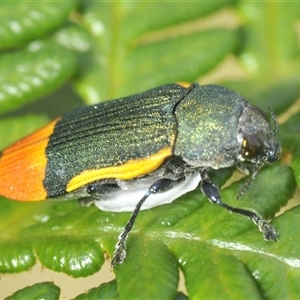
column 159, row 186
column 213, row 194
column 97, row 191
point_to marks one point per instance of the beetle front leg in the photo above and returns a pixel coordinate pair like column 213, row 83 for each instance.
column 159, row 186
column 213, row 194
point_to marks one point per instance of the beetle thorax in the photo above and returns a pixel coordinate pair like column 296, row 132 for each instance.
column 207, row 127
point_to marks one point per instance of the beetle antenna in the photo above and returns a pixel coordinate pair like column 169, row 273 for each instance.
column 249, row 181
column 274, row 119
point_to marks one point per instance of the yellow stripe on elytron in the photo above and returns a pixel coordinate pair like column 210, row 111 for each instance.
column 184, row 84
column 129, row 170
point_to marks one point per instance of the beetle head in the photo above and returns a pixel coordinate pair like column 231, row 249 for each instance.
column 257, row 137
column 257, row 140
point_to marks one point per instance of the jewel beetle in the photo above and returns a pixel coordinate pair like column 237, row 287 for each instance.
column 142, row 151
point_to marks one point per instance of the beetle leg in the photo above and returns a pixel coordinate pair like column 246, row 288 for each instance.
column 213, row 194
column 159, row 186
column 244, row 168
column 97, row 189
column 86, row 201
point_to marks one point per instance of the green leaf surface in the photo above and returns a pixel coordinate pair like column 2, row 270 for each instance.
column 44, row 290
column 19, row 257
column 251, row 269
column 34, row 71
column 273, row 65
column 74, row 38
column 21, row 21
column 104, row 291
column 181, row 296
column 157, row 267
column 289, row 135
column 212, row 269
column 15, row 128
column 274, row 266
column 75, row 256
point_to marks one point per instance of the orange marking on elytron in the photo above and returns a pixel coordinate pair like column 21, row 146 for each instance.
column 129, row 170
column 22, row 166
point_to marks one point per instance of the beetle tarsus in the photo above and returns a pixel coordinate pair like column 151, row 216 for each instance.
column 120, row 250
column 268, row 231
column 213, row 194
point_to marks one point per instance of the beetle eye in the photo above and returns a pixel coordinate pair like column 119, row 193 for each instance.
column 273, row 154
column 251, row 146
column 272, row 157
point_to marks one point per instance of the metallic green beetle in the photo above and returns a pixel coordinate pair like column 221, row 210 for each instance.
column 141, row 151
